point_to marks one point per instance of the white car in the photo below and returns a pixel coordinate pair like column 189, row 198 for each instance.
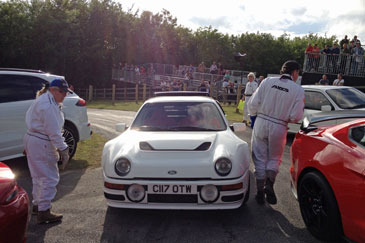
column 17, row 91
column 329, row 98
column 179, row 153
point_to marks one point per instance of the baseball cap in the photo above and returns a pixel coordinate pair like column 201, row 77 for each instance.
column 61, row 84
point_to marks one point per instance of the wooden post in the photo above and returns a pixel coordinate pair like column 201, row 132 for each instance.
column 210, row 91
column 90, row 92
column 113, row 94
column 185, row 86
column 238, row 97
column 125, row 93
column 104, row 94
column 136, row 93
column 144, row 92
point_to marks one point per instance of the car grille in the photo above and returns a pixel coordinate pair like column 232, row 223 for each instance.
column 168, row 198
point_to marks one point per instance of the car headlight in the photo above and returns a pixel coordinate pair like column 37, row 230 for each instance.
column 223, row 166
column 122, row 166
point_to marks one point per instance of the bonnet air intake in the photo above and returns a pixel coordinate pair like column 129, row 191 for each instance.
column 203, row 146
column 147, row 147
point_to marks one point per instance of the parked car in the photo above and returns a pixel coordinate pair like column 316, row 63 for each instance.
column 18, row 89
column 178, row 153
column 328, row 175
column 14, row 207
column 320, row 98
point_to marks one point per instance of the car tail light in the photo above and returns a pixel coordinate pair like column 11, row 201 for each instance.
column 81, row 102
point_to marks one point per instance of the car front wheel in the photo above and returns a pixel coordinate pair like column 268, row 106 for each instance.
column 318, row 207
column 69, row 134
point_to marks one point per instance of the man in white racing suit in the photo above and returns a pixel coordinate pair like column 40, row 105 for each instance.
column 276, row 102
column 44, row 144
column 251, row 86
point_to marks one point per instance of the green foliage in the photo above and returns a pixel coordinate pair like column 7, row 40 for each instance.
column 84, row 39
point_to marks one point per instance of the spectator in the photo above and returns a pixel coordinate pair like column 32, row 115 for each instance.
column 225, row 85
column 201, row 67
column 326, row 51
column 260, row 79
column 355, row 40
column 227, row 75
column 358, row 53
column 251, row 87
column 339, row 81
column 345, row 54
column 335, row 52
column 344, row 41
column 220, row 69
column 203, row 86
column 316, row 52
column 324, row 80
column 213, row 68
column 309, row 56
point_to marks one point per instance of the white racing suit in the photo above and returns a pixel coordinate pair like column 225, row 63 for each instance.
column 276, row 102
column 249, row 90
column 44, row 120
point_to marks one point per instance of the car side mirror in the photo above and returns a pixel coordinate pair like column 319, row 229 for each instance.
column 238, row 127
column 120, row 127
column 326, row 108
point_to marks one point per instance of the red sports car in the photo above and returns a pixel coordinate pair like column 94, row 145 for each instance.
column 14, row 208
column 328, row 176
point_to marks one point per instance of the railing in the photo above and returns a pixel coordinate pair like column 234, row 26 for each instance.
column 143, row 92
column 333, row 64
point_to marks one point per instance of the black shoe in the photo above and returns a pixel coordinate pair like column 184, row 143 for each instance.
column 269, row 191
column 260, row 197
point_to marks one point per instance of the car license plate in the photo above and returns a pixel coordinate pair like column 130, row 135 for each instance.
column 172, row 189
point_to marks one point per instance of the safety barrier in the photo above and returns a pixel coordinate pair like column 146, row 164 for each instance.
column 349, row 65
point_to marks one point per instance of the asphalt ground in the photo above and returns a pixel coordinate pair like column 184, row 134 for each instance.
column 87, row 218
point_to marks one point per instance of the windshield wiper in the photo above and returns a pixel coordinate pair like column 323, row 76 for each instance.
column 190, row 129
column 150, row 128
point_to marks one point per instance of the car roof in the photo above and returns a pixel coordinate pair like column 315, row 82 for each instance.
column 167, row 99
column 26, row 72
column 325, row 87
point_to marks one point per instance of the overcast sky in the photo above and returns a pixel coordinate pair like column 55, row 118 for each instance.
column 294, row 17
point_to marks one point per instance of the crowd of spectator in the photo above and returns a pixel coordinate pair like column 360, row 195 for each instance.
column 347, row 57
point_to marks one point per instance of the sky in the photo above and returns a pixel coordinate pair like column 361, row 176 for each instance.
column 294, row 17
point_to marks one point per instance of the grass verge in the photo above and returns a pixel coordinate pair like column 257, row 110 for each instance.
column 88, row 153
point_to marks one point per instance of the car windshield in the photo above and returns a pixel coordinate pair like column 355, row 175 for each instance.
column 347, row 98
column 179, row 116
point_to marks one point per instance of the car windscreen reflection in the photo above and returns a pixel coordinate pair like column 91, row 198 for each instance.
column 179, row 116
column 347, row 98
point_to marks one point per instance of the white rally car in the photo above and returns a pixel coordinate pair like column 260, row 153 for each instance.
column 179, row 153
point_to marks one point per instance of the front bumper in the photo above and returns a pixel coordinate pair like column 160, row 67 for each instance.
column 227, row 199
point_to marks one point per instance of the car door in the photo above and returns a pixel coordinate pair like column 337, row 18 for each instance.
column 17, row 93
column 314, row 100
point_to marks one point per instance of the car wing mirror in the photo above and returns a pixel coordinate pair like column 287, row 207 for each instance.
column 120, row 127
column 326, row 108
column 238, row 127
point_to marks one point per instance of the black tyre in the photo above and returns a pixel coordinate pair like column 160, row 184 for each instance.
column 247, row 195
column 70, row 136
column 318, row 207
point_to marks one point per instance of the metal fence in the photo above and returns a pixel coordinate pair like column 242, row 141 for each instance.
column 333, row 64
column 143, row 92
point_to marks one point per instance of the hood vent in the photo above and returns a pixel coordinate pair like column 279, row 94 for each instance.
column 147, row 147
column 203, row 147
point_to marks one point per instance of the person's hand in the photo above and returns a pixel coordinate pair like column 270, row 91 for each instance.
column 65, row 156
